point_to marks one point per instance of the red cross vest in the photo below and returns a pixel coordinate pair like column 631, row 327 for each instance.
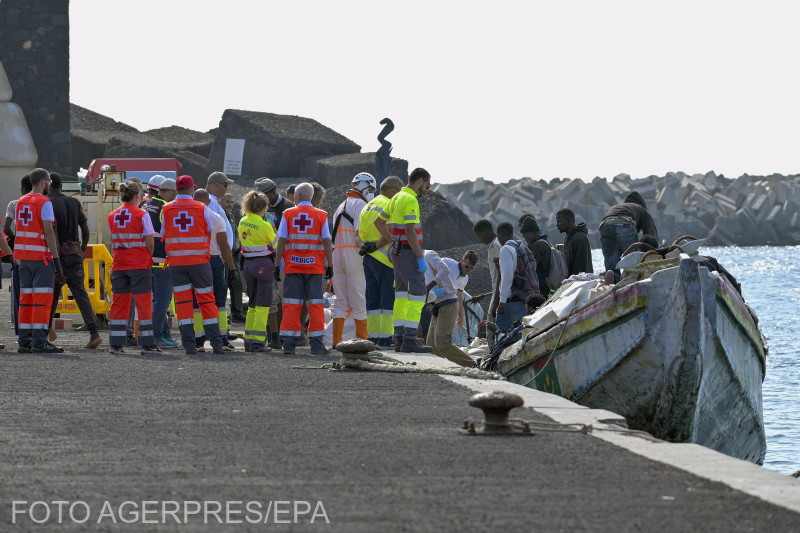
column 29, row 243
column 304, row 253
column 185, row 233
column 127, row 240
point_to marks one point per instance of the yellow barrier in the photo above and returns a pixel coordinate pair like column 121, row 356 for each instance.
column 96, row 280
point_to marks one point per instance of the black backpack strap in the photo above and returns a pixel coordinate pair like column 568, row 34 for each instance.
column 336, row 224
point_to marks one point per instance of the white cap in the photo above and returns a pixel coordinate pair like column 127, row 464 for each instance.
column 156, row 181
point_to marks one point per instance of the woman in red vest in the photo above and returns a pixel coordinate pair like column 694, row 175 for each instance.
column 132, row 248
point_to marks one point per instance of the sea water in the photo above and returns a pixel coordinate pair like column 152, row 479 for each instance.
column 770, row 279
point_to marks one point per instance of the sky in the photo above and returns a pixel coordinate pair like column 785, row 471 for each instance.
column 499, row 90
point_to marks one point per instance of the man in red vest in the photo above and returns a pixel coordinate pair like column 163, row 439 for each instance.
column 36, row 253
column 304, row 244
column 186, row 231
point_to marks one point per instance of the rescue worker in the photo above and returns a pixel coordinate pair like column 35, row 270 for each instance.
column 186, row 231
column 162, row 287
column 220, row 252
column 306, row 238
column 349, row 283
column 11, row 210
column 404, row 232
column 257, row 236
column 132, row 248
column 36, row 253
column 277, row 205
column 378, row 268
column 446, row 279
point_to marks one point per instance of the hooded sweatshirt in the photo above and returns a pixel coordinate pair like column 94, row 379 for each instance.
column 578, row 251
column 635, row 208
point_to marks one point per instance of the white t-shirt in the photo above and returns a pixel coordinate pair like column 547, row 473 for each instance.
column 446, row 273
column 494, row 253
column 217, row 226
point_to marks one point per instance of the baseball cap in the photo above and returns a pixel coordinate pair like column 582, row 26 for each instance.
column 168, row 184
column 218, row 177
column 156, row 181
column 184, row 181
column 265, row 185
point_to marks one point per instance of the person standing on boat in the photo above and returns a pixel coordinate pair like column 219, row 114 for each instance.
column 485, row 233
column 511, row 306
column 401, row 226
column 621, row 226
column 576, row 243
column 538, row 244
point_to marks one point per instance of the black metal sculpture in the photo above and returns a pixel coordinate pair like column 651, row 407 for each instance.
column 383, row 159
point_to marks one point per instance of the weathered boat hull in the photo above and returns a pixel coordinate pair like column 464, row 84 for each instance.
column 679, row 355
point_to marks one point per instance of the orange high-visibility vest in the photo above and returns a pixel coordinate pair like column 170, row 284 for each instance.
column 304, row 253
column 127, row 238
column 185, row 232
column 30, row 243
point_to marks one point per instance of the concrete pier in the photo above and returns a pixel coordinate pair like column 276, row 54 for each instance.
column 381, row 452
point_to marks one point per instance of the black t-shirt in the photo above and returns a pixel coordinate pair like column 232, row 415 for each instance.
column 69, row 215
column 282, row 205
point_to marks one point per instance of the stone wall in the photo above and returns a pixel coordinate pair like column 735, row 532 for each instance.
column 34, row 49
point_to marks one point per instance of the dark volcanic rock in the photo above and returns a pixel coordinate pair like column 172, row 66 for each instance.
column 90, row 134
column 275, row 145
column 340, row 169
column 184, row 139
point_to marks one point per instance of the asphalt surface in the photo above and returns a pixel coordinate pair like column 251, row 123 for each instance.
column 380, row 452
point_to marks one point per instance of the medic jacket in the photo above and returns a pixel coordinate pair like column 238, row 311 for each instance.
column 304, row 253
column 30, row 243
column 185, row 233
column 127, row 238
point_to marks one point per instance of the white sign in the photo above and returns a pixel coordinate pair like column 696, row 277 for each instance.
column 234, row 152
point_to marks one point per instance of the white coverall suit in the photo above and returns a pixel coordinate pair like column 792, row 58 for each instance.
column 349, row 282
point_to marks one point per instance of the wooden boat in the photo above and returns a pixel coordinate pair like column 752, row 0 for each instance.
column 672, row 347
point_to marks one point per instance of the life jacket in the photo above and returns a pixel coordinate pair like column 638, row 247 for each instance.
column 185, row 233
column 30, row 243
column 127, row 238
column 304, row 253
column 154, row 207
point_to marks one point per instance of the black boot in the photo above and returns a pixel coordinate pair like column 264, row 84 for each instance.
column 411, row 346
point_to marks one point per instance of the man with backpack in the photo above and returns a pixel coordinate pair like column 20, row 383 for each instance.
column 542, row 253
column 518, row 279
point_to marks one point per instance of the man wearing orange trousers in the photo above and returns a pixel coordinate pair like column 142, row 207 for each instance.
column 36, row 253
column 304, row 244
column 186, row 231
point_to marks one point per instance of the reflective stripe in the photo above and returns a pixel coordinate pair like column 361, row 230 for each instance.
column 30, row 247
column 203, row 290
column 42, row 290
column 315, row 301
column 415, row 298
column 210, row 321
column 117, row 322
column 290, row 333
column 31, row 234
column 256, row 333
column 293, row 301
column 412, row 218
column 305, row 236
column 174, row 253
column 401, row 294
column 186, row 322
column 374, row 312
column 180, row 288
column 145, row 323
column 125, row 245
column 173, row 240
column 319, row 333
column 117, row 236
column 293, row 246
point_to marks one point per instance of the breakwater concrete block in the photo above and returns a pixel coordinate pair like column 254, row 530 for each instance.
column 340, row 169
column 275, row 145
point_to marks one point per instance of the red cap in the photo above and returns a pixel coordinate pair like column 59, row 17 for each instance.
column 184, row 181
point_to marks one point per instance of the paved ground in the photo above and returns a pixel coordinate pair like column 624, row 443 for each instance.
column 381, row 452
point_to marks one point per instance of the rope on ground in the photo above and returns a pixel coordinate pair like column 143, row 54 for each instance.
column 380, row 363
column 557, row 427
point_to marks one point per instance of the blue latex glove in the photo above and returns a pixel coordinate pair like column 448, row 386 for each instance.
column 438, row 291
column 422, row 266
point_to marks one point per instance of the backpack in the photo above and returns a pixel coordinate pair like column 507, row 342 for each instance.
column 525, row 280
column 558, row 268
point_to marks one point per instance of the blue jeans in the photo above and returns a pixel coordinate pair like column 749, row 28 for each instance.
column 613, row 241
column 162, row 296
column 514, row 311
